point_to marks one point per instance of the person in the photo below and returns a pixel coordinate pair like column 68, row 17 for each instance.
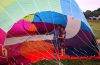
column 4, row 51
column 62, row 39
column 56, row 42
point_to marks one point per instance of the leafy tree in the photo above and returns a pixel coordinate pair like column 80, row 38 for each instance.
column 89, row 13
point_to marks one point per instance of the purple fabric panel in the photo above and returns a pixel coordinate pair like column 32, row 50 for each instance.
column 81, row 40
column 44, row 27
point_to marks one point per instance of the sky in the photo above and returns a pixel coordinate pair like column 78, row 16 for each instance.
column 88, row 4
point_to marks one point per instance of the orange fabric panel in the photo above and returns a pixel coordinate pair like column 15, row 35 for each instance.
column 35, row 46
column 32, row 28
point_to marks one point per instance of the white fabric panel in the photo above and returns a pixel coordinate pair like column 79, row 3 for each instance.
column 73, row 27
column 16, row 40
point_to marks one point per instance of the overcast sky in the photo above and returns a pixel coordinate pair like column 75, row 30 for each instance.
column 88, row 4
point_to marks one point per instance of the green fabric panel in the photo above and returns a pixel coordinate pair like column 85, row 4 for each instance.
column 21, row 8
column 5, row 4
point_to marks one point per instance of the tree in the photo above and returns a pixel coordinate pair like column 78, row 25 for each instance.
column 89, row 13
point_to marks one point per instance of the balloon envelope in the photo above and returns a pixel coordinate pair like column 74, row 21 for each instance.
column 23, row 25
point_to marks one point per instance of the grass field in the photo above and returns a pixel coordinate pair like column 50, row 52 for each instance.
column 96, row 29
column 70, row 62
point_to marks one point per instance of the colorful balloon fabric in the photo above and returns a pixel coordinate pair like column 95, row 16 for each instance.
column 24, row 24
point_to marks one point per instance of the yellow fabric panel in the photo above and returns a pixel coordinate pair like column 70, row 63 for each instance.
column 29, row 18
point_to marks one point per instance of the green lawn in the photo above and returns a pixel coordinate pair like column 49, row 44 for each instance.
column 69, row 62
column 96, row 28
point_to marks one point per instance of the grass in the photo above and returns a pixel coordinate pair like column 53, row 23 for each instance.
column 70, row 62
column 96, row 28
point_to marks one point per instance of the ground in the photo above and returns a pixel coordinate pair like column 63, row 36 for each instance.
column 96, row 29
column 70, row 62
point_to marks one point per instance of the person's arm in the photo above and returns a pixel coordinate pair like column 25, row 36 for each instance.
column 52, row 32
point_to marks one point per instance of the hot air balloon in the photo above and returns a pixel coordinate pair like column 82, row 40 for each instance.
column 23, row 25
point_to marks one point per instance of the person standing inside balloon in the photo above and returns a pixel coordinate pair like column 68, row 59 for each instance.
column 56, row 41
column 61, row 39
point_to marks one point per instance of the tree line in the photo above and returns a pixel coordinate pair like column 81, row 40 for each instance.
column 89, row 13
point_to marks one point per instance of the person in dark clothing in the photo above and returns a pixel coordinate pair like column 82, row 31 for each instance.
column 56, row 42
column 61, row 38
